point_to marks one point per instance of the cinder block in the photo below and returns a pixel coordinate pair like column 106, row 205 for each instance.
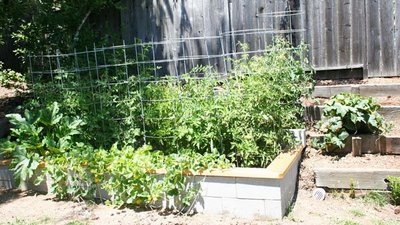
column 217, row 186
column 288, row 187
column 246, row 208
column 254, row 188
column 274, row 209
column 209, row 205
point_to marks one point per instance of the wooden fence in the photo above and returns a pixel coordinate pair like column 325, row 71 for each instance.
column 348, row 34
column 342, row 34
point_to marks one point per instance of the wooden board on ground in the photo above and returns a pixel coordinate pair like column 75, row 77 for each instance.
column 392, row 145
column 361, row 178
column 373, row 90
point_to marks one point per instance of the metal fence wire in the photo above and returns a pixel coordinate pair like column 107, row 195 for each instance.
column 120, row 71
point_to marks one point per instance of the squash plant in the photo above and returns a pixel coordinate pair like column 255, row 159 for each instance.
column 36, row 135
column 345, row 114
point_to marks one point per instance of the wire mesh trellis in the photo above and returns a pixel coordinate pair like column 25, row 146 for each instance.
column 109, row 78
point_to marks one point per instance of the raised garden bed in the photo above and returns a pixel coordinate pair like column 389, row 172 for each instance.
column 245, row 192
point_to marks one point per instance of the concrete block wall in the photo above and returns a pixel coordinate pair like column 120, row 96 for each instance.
column 248, row 197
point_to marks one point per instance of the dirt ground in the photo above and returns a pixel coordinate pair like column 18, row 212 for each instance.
column 337, row 208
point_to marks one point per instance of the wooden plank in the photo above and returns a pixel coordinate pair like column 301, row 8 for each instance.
column 335, row 32
column 392, row 145
column 373, row 38
column 358, row 31
column 318, row 45
column 380, row 90
column 250, row 22
column 310, row 31
column 370, row 144
column 323, row 50
column 356, row 146
column 344, row 33
column 329, row 91
column 397, row 38
column 362, row 178
column 387, row 34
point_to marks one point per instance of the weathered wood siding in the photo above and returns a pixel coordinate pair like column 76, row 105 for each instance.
column 343, row 34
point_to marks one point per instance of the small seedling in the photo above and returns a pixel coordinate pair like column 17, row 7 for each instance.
column 347, row 222
column 357, row 212
column 352, row 192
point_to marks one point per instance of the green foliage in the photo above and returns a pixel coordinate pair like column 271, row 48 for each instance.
column 76, row 174
column 47, row 25
column 394, row 187
column 244, row 116
column 346, row 222
column 133, row 182
column 111, row 114
column 377, row 198
column 127, row 174
column 10, row 79
column 346, row 114
column 39, row 134
column 357, row 212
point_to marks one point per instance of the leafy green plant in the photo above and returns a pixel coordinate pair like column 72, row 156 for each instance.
column 77, row 174
column 394, row 187
column 10, row 78
column 39, row 134
column 132, row 179
column 345, row 114
column 234, row 116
